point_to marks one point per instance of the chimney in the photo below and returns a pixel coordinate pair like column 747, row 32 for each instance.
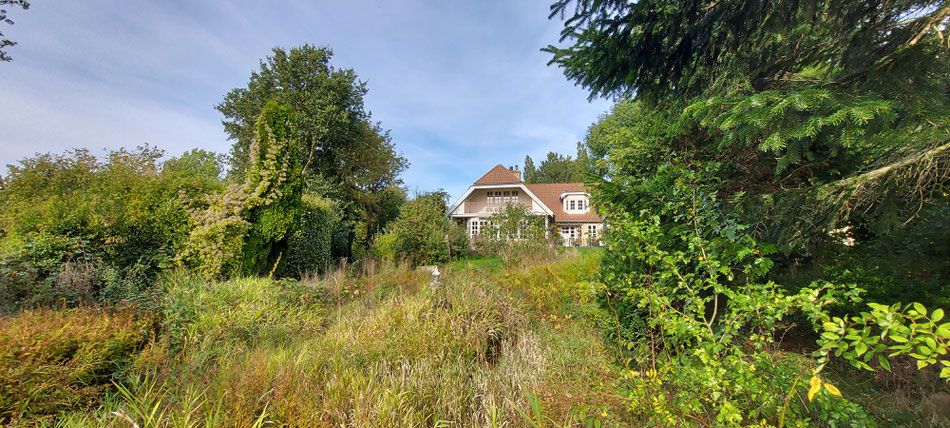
column 517, row 172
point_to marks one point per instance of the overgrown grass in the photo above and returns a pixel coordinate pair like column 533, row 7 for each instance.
column 383, row 348
column 52, row 361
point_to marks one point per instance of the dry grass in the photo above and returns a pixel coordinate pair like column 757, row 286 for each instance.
column 375, row 348
column 57, row 360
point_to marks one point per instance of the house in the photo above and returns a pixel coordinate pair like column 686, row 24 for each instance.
column 564, row 206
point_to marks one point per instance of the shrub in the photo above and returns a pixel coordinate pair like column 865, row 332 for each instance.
column 423, row 233
column 697, row 280
column 115, row 223
column 515, row 234
column 57, row 360
column 310, row 245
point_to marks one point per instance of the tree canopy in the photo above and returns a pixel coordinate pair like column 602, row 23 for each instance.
column 558, row 168
column 5, row 42
column 836, row 107
column 344, row 155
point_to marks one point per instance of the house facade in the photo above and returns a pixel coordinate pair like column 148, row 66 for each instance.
column 565, row 206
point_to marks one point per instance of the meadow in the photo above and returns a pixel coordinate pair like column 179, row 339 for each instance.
column 513, row 347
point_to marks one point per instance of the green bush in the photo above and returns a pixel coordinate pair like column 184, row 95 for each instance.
column 384, row 247
column 75, row 228
column 423, row 233
column 311, row 243
column 516, row 235
column 53, row 361
column 697, row 279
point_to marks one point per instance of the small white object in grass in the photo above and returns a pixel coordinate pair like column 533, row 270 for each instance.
column 435, row 277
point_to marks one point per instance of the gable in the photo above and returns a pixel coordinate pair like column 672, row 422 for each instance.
column 499, row 175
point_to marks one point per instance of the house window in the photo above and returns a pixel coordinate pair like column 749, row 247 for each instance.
column 571, row 204
column 592, row 231
column 473, row 228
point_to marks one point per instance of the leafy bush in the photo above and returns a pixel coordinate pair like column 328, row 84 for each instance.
column 697, row 280
column 310, row 244
column 77, row 229
column 50, row 270
column 57, row 360
column 515, row 234
column 423, row 233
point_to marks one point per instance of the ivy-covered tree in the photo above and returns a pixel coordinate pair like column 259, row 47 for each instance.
column 345, row 156
column 244, row 229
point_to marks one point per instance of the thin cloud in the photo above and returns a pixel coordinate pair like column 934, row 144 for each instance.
column 462, row 86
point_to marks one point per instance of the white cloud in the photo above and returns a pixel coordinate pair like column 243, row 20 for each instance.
column 462, row 86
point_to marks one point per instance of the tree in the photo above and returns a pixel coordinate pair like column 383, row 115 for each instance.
column 557, row 168
column 244, row 230
column 800, row 103
column 345, row 156
column 5, row 42
column 742, row 126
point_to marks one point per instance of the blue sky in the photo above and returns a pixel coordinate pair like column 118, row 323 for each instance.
column 462, row 85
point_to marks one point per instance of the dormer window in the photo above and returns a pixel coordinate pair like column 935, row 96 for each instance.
column 575, row 202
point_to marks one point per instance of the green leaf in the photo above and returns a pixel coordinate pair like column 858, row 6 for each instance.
column 883, row 361
column 937, row 315
column 920, row 308
column 860, row 348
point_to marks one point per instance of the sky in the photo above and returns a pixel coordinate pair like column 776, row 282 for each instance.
column 461, row 85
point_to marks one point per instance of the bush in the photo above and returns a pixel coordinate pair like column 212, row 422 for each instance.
column 310, row 245
column 76, row 229
column 52, row 361
column 516, row 235
column 423, row 233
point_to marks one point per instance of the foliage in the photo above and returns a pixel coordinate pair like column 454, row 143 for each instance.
column 788, row 125
column 828, row 115
column 887, row 330
column 558, row 168
column 423, row 233
column 514, row 233
column 349, row 158
column 104, row 228
column 682, row 266
column 243, row 230
column 52, row 361
column 310, row 244
column 4, row 42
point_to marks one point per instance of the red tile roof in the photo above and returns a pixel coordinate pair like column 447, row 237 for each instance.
column 549, row 194
column 499, row 175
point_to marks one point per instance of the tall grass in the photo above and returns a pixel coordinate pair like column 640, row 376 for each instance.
column 377, row 348
column 53, row 361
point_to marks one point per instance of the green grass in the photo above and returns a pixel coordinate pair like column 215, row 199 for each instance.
column 378, row 349
column 490, row 263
